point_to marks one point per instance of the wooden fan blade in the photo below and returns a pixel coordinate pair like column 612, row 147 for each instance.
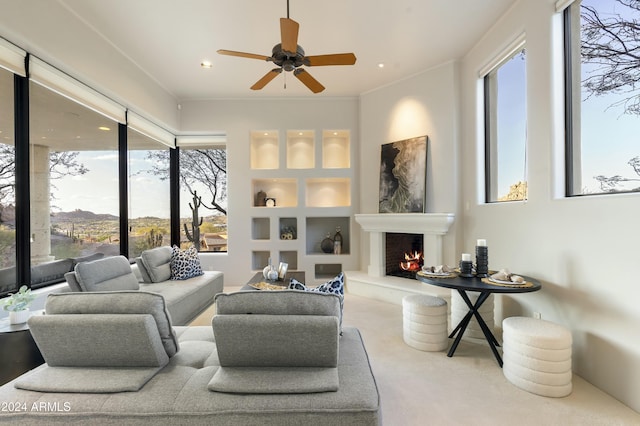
column 335, row 59
column 306, row 78
column 289, row 35
column 266, row 79
column 244, row 55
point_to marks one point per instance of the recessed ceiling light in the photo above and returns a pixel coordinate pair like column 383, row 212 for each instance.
column 380, row 65
column 206, row 64
column 105, row 128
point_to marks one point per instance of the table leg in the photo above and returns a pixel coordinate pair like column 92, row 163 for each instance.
column 459, row 330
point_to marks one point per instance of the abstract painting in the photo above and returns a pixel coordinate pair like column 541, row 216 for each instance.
column 403, row 176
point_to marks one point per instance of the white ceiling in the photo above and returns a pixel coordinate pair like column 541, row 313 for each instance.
column 167, row 39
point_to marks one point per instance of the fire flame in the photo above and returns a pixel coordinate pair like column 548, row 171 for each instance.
column 413, row 261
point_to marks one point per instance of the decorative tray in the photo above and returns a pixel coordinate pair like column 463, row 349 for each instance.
column 492, row 281
column 437, row 274
column 267, row 286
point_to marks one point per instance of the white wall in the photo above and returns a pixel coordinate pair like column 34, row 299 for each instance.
column 426, row 104
column 81, row 53
column 583, row 249
column 238, row 118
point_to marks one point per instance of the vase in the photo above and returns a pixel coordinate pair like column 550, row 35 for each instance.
column 19, row 317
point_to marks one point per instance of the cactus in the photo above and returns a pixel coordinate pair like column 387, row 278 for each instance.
column 194, row 235
column 153, row 239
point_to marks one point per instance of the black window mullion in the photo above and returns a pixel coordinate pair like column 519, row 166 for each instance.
column 174, row 191
column 123, row 183
column 487, row 140
column 23, row 187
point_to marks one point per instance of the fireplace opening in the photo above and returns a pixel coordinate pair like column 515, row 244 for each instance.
column 404, row 254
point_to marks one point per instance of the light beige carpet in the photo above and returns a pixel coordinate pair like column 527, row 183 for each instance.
column 429, row 388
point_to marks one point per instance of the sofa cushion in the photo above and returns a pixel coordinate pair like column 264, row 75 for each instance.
column 333, row 286
column 284, row 302
column 50, row 271
column 156, row 264
column 185, row 264
column 104, row 340
column 274, row 380
column 86, row 379
column 117, row 302
column 108, row 274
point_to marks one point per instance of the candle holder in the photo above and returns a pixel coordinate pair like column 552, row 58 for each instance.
column 466, row 269
column 482, row 261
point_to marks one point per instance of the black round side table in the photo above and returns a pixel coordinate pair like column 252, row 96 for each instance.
column 18, row 351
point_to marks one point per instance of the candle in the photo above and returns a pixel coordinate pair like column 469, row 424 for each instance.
column 481, row 243
column 466, row 257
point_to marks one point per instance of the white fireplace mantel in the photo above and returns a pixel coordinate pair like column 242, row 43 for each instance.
column 431, row 225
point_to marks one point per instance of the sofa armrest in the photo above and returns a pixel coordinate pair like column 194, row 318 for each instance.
column 276, row 340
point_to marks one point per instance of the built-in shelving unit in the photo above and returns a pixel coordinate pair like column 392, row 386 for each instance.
column 307, row 178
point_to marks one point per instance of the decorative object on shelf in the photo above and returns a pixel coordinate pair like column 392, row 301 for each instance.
column 288, row 233
column 270, row 202
column 466, row 268
column 194, row 236
column 270, row 272
column 282, row 270
column 403, row 176
column 18, row 305
column 327, row 244
column 337, row 241
column 482, row 258
column 261, row 196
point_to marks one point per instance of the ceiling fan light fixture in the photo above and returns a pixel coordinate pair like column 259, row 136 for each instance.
column 206, row 64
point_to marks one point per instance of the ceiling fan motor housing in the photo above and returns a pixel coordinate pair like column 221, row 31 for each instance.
column 286, row 60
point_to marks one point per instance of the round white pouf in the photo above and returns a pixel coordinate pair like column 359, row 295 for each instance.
column 425, row 322
column 537, row 356
column 459, row 309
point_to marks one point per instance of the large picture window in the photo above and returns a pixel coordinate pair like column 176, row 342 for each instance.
column 7, row 185
column 602, row 46
column 506, row 130
column 74, row 199
column 149, row 199
column 203, row 197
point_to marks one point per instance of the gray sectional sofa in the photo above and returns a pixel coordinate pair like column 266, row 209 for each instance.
column 270, row 358
column 186, row 299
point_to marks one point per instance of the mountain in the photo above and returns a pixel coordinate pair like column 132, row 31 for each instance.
column 80, row 215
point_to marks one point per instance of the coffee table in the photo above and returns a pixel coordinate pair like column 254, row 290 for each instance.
column 258, row 277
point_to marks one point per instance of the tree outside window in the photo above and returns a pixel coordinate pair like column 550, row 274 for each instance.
column 603, row 98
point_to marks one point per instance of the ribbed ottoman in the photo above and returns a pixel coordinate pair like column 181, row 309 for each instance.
column 537, row 356
column 459, row 309
column 425, row 322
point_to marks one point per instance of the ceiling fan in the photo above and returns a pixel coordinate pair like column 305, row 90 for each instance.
column 289, row 56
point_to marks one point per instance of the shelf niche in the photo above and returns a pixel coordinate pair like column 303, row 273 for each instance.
column 300, row 149
column 288, row 225
column 264, row 150
column 259, row 259
column 290, row 257
column 336, row 149
column 328, row 192
column 326, row 271
column 285, row 191
column 260, row 228
column 317, row 229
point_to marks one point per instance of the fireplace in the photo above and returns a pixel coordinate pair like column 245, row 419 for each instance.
column 431, row 226
column 403, row 254
column 374, row 281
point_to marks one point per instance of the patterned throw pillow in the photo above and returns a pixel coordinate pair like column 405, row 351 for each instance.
column 333, row 286
column 185, row 263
